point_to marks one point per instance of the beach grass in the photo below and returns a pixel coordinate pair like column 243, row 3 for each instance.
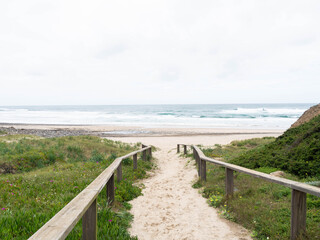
column 48, row 173
column 296, row 151
column 260, row 206
column 2, row 132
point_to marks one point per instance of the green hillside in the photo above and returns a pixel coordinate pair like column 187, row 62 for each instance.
column 297, row 151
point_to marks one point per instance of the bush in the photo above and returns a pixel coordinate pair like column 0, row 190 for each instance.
column 96, row 156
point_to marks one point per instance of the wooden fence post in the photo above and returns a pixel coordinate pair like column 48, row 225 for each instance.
column 194, row 154
column 229, row 182
column 203, row 170
column 150, row 152
column 178, row 148
column 185, row 149
column 119, row 172
column 89, row 222
column 135, row 162
column 298, row 213
column 144, row 155
column 110, row 189
column 199, row 163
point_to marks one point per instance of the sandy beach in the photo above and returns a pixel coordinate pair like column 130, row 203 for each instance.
column 169, row 207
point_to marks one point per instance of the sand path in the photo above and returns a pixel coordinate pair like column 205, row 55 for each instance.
column 170, row 208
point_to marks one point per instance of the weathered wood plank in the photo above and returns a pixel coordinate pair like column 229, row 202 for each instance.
column 282, row 181
column 299, row 191
column 229, row 182
column 100, row 182
column 178, row 148
column 64, row 221
column 133, row 153
column 135, row 161
column 110, row 190
column 298, row 213
column 200, row 153
column 89, row 222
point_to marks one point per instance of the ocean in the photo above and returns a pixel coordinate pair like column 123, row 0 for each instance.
column 246, row 116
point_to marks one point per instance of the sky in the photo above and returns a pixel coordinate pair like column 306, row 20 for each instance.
column 69, row 52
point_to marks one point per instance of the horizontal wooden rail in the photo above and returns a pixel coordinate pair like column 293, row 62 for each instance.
column 84, row 204
column 299, row 190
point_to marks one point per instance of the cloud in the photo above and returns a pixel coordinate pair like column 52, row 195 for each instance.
column 107, row 52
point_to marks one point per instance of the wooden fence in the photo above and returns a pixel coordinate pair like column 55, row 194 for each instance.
column 85, row 203
column 299, row 190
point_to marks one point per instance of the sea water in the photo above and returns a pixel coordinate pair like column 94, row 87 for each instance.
column 248, row 116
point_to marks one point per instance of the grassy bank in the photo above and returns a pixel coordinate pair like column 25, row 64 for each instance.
column 258, row 205
column 297, row 151
column 40, row 176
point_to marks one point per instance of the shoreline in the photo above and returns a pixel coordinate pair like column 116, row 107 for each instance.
column 52, row 130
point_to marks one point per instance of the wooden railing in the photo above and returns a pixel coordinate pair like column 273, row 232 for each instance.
column 299, row 190
column 85, row 203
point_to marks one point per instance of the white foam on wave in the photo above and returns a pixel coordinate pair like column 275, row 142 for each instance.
column 135, row 117
column 282, row 111
column 258, row 123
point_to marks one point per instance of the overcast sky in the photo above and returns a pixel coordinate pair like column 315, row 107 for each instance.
column 159, row 51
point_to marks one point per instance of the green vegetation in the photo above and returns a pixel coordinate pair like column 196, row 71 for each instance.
column 297, row 152
column 20, row 153
column 42, row 175
column 236, row 148
column 2, row 132
column 263, row 207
